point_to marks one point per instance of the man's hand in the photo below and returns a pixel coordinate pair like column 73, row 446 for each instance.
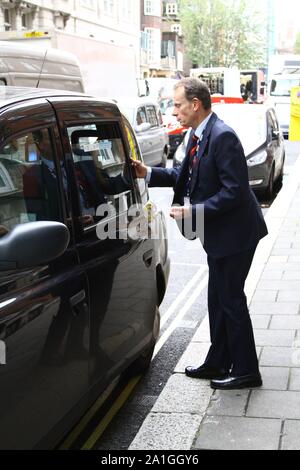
column 180, row 212
column 140, row 170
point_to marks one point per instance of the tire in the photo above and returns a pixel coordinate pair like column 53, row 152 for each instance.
column 142, row 363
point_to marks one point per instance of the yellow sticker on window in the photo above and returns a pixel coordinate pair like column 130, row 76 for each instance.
column 133, row 154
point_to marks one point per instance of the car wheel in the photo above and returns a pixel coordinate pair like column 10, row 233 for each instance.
column 142, row 363
column 269, row 193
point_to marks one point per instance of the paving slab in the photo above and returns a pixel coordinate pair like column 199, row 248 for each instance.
column 275, row 378
column 294, row 379
column 260, row 321
column 275, row 338
column 274, row 404
column 284, row 322
column 291, row 435
column 274, row 308
column 265, row 296
column 277, row 356
column 228, row 403
column 235, row 433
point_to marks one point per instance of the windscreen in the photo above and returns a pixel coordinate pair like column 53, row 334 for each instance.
column 281, row 86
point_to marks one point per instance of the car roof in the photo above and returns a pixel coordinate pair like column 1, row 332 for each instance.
column 10, row 95
column 135, row 102
column 286, row 75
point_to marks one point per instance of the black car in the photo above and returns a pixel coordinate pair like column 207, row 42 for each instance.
column 81, row 276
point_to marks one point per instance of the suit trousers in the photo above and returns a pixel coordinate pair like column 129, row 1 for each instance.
column 232, row 339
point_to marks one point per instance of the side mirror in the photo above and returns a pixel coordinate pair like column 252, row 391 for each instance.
column 32, row 244
column 145, row 126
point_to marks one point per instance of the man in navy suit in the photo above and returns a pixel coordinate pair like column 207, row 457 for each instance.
column 212, row 183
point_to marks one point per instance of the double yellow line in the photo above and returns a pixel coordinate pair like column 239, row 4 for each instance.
column 105, row 421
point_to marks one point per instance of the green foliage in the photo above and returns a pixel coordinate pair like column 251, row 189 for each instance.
column 223, row 33
column 297, row 44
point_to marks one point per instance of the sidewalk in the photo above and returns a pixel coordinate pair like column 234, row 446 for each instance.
column 188, row 414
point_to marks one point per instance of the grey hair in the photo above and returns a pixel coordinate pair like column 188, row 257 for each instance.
column 195, row 88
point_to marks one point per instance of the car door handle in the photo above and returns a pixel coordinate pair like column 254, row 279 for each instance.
column 147, row 258
column 77, row 298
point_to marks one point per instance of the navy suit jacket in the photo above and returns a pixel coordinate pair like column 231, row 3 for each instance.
column 233, row 220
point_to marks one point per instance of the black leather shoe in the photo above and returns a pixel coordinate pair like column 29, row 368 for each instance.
column 242, row 381
column 203, row 372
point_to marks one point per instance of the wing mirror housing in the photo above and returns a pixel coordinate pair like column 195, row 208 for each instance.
column 33, row 244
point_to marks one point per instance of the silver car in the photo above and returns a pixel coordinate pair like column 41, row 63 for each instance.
column 145, row 117
column 258, row 129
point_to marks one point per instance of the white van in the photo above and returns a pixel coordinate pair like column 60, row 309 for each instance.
column 25, row 66
column 280, row 99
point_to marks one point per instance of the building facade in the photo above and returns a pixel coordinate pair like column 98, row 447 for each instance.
column 162, row 52
column 109, row 21
column 150, row 29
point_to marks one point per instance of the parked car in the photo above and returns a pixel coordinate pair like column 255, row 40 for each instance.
column 146, row 119
column 280, row 97
column 175, row 130
column 258, row 129
column 79, row 294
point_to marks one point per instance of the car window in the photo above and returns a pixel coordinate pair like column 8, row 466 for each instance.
column 28, row 180
column 152, row 117
column 282, row 86
column 101, row 172
column 135, row 155
column 141, row 116
column 160, row 118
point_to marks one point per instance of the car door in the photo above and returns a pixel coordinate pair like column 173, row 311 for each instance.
column 120, row 267
column 44, row 319
column 144, row 136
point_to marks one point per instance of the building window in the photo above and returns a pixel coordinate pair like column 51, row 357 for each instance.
column 144, row 41
column 176, row 28
column 154, row 45
column 152, row 7
column 88, row 4
column 7, row 21
column 127, row 9
column 171, row 9
column 26, row 21
column 168, row 48
column 109, row 6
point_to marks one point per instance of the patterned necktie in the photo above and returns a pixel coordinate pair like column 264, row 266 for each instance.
column 193, row 153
